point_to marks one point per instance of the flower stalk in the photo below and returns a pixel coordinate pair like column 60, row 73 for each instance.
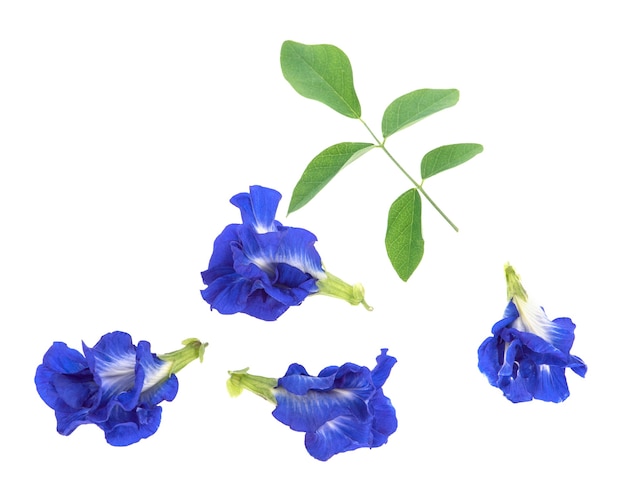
column 335, row 287
column 193, row 349
column 514, row 287
column 259, row 385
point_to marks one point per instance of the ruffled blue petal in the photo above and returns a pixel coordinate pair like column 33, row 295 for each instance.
column 256, row 285
column 342, row 434
column 294, row 278
column 341, row 409
column 550, row 384
column 158, row 384
column 258, row 208
column 528, row 354
column 577, row 365
column 384, row 364
column 563, row 333
column 310, row 411
column 489, row 360
column 264, row 307
column 510, row 315
column 222, row 254
column 296, row 247
column 67, row 422
column 292, row 246
column 165, row 391
column 384, row 421
column 116, row 386
column 62, row 359
column 533, row 319
column 228, row 293
column 128, row 427
column 509, row 365
column 260, row 267
column 112, row 361
column 516, row 390
column 73, row 391
column 65, row 384
column 298, row 381
column 548, row 352
column 287, row 285
column 355, row 379
column 64, row 378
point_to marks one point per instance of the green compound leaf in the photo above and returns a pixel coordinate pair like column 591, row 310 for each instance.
column 404, row 242
column 321, row 72
column 412, row 107
column 322, row 169
column 446, row 157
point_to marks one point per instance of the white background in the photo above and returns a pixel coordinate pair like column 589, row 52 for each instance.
column 125, row 128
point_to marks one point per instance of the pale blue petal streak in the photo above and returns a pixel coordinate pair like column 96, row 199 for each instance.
column 342, row 434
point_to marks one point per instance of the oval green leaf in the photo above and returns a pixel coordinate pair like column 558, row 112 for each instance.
column 321, row 72
column 322, row 169
column 404, row 242
column 416, row 105
column 446, row 157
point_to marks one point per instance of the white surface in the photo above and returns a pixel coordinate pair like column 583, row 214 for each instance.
column 127, row 126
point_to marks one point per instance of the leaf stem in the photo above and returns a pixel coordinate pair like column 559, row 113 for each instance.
column 381, row 145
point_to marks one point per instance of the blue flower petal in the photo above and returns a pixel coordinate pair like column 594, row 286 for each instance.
column 74, row 391
column 64, row 377
column 509, row 365
column 488, row 359
column 65, row 384
column 310, row 411
column 227, row 293
column 67, row 422
column 516, row 390
column 510, row 314
column 528, row 353
column 577, row 365
column 292, row 285
column 128, row 427
column 548, row 352
column 341, row 409
column 384, row 364
column 258, row 208
column 260, row 267
column 264, row 307
column 384, row 421
column 60, row 358
column 222, row 253
column 112, row 361
column 342, row 434
column 116, row 386
column 532, row 318
column 158, row 384
column 298, row 381
column 550, row 384
column 292, row 246
column 355, row 379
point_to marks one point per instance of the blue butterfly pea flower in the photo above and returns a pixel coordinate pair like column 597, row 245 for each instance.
column 527, row 354
column 262, row 268
column 342, row 409
column 115, row 385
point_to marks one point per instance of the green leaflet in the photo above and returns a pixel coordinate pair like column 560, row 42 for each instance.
column 322, row 169
column 446, row 157
column 414, row 106
column 404, row 242
column 321, row 72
